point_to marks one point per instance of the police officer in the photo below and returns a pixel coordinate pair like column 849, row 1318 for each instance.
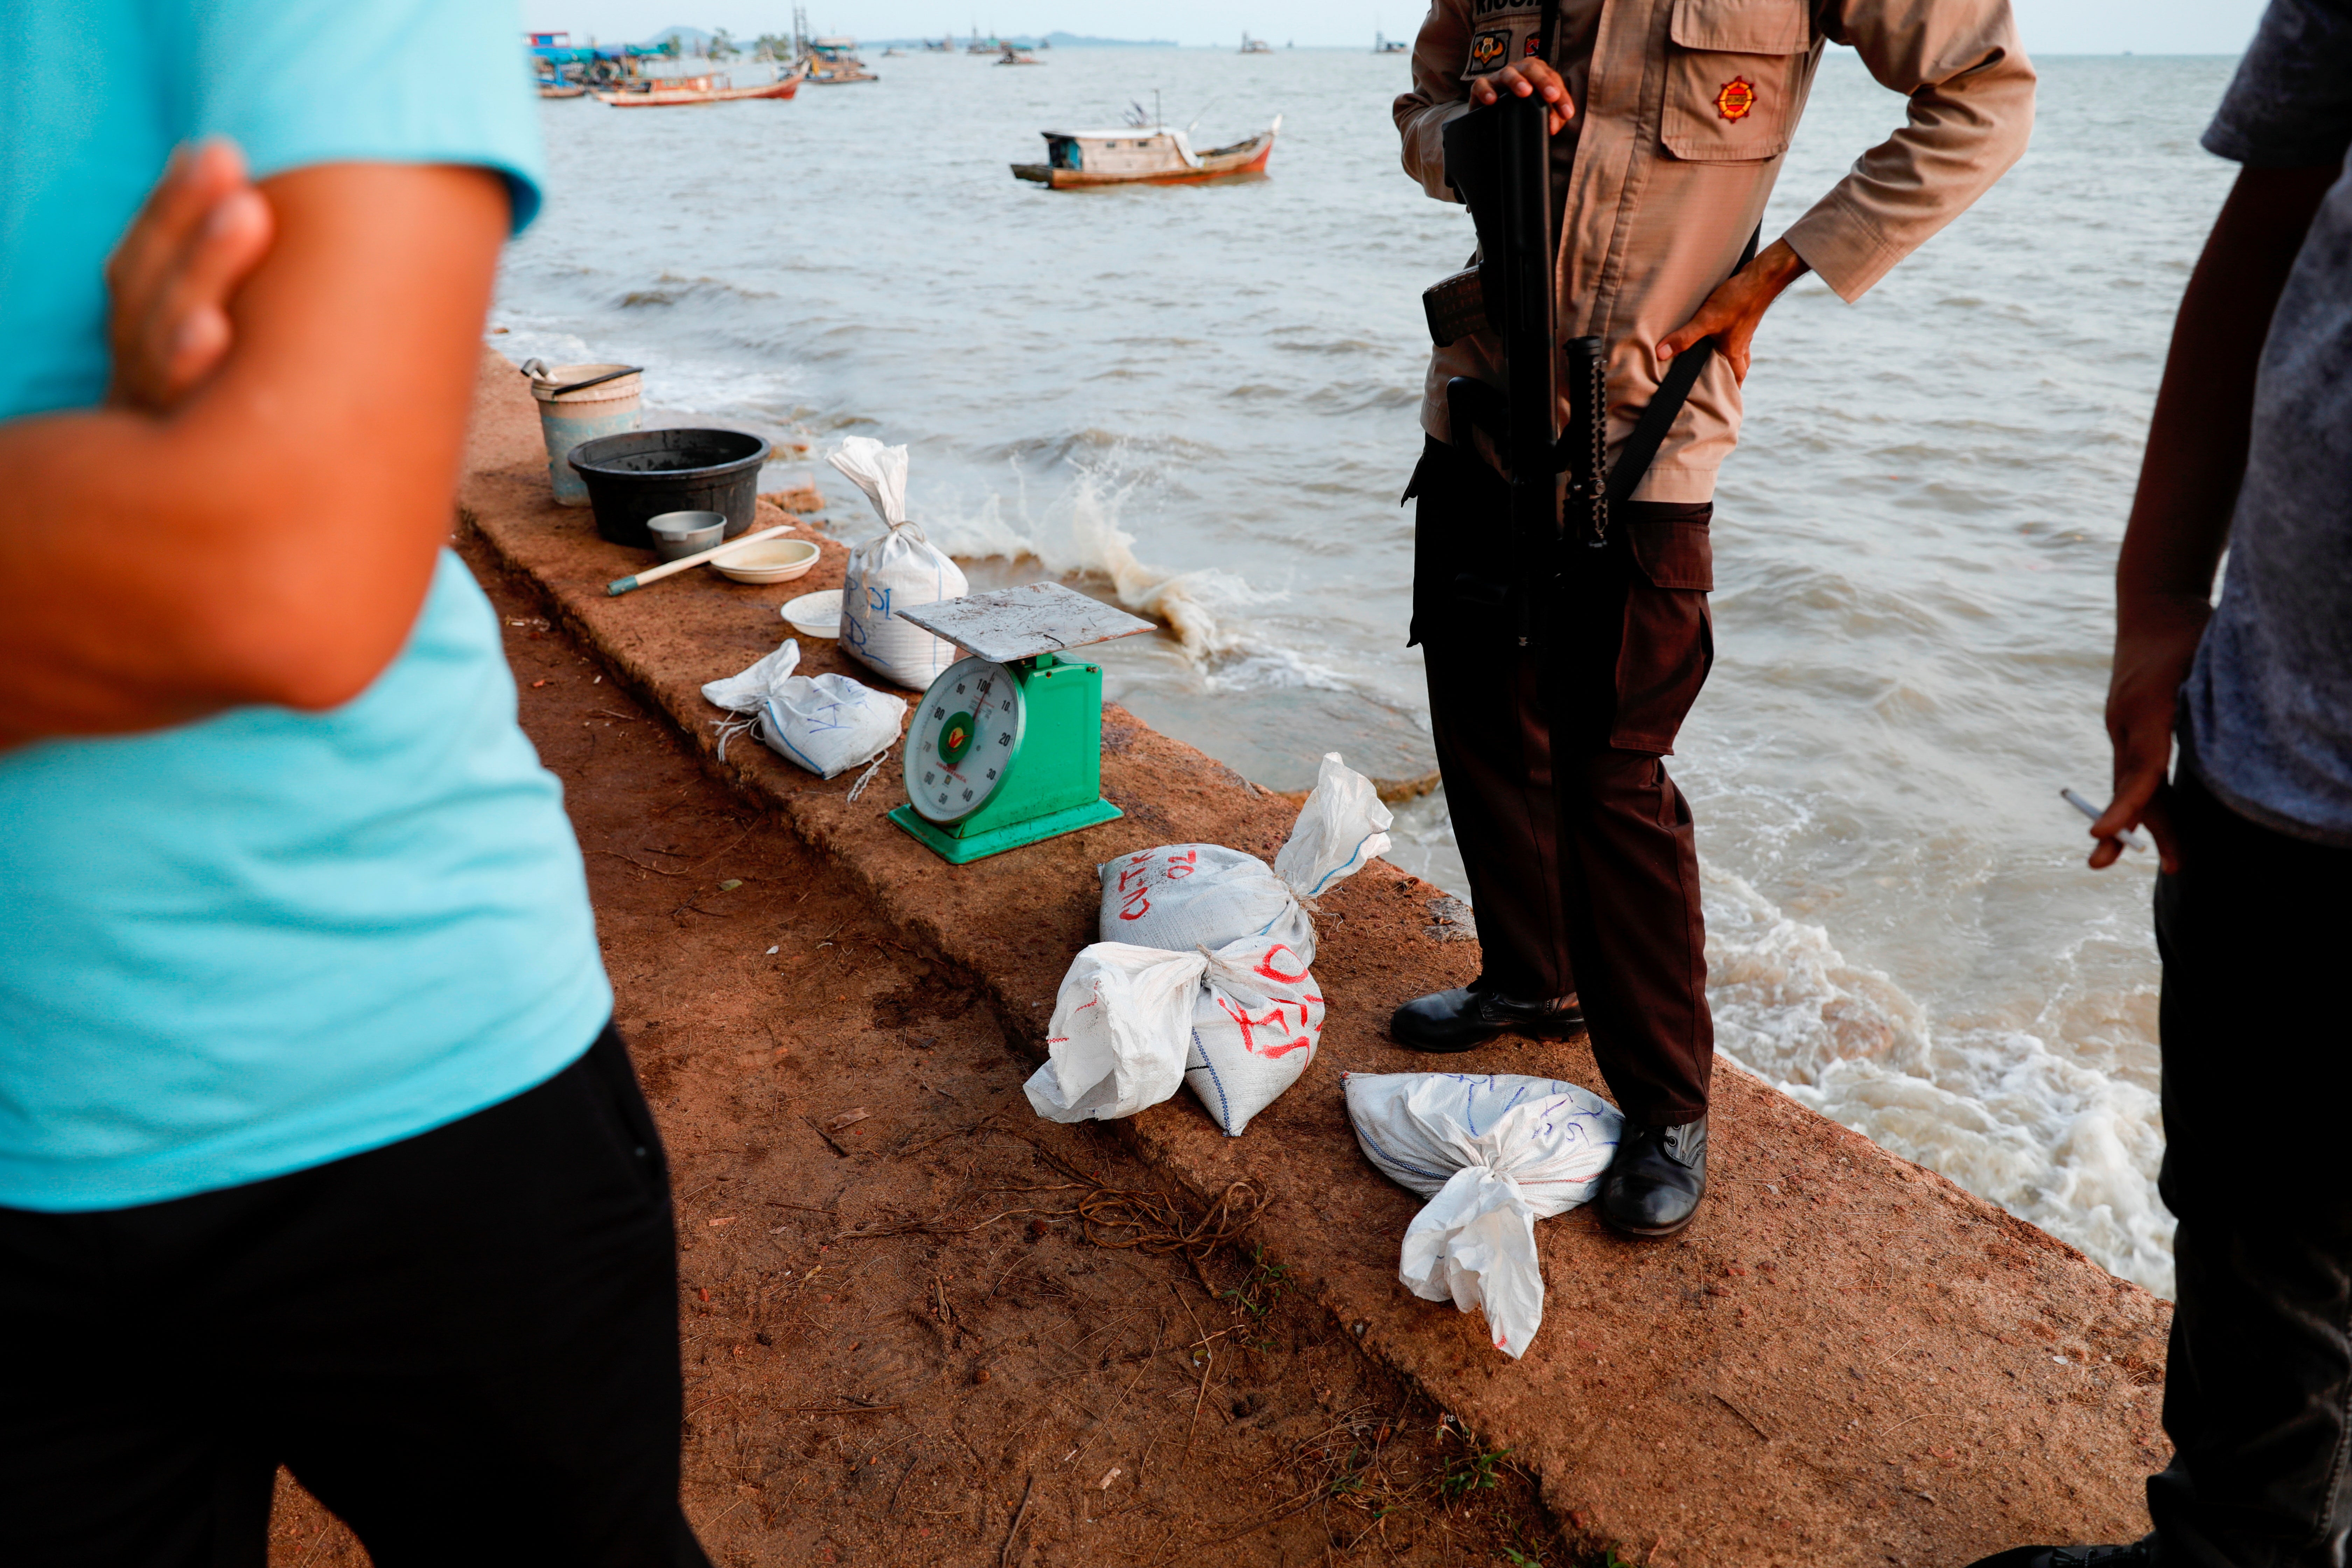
column 1669, row 120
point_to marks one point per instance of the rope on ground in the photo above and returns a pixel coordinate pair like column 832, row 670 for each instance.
column 868, row 776
column 1157, row 1223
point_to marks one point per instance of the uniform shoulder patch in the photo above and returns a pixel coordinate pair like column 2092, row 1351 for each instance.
column 1735, row 97
column 1489, row 49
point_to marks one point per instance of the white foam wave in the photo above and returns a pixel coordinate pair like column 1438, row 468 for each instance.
column 1251, row 666
column 2053, row 1140
column 1078, row 534
column 675, row 384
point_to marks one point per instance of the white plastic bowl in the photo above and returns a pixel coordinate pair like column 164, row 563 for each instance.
column 770, row 561
column 816, row 615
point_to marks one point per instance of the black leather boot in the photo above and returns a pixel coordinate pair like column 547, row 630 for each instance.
column 1466, row 1018
column 2138, row 1554
column 1653, row 1187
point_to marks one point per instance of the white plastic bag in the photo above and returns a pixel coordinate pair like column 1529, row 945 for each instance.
column 827, row 724
column 899, row 570
column 1343, row 825
column 1122, row 1024
column 1493, row 1155
column 1183, row 896
column 1238, row 1026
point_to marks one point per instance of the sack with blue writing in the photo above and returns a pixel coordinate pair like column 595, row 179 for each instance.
column 898, row 570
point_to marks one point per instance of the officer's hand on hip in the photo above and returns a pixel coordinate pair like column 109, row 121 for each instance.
column 1528, row 78
column 1739, row 303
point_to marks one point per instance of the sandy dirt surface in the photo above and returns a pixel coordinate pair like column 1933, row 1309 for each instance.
column 903, row 1341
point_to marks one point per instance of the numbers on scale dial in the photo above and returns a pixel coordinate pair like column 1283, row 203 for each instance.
column 975, row 705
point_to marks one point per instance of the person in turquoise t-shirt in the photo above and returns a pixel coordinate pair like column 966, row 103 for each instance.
column 317, row 1147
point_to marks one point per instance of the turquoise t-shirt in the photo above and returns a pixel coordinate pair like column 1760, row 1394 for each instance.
column 259, row 943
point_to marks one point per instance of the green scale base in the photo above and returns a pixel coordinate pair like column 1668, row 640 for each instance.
column 960, row 851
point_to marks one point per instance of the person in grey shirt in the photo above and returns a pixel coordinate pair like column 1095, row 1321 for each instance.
column 2250, row 448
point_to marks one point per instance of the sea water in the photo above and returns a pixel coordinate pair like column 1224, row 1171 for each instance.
column 1201, row 401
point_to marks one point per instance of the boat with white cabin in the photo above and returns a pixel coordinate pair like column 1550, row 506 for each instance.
column 1143, row 154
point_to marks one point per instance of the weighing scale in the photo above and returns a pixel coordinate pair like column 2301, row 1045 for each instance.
column 1006, row 748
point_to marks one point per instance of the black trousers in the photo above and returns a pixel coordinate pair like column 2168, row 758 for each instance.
column 2257, row 1072
column 1582, row 861
column 464, row 1344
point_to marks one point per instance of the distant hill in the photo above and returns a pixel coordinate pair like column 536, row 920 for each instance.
column 691, row 40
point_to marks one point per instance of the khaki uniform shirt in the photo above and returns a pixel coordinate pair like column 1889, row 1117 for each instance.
column 1684, row 109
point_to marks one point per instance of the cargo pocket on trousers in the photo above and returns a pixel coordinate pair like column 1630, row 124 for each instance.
column 1732, row 79
column 1669, row 639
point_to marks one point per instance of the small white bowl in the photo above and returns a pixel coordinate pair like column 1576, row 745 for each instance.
column 816, row 615
column 770, row 561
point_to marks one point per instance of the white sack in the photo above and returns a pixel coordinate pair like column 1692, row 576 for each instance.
column 749, row 692
column 1238, row 1026
column 880, row 471
column 1183, row 896
column 1255, row 1024
column 827, row 725
column 1493, row 1155
column 1342, row 826
column 1122, row 1024
column 897, row 570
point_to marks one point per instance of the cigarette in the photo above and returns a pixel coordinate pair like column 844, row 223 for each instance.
column 2127, row 839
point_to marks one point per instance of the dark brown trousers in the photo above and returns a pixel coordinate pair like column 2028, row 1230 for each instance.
column 1583, row 866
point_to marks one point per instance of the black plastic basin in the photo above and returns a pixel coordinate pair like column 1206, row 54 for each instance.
column 645, row 473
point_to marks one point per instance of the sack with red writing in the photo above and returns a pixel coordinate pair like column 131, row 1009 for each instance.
column 1180, row 897
column 1256, row 1025
column 1239, row 1026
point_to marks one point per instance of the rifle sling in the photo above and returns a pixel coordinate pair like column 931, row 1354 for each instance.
column 1641, row 447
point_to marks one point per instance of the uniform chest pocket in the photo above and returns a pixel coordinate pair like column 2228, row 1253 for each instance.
column 1733, row 77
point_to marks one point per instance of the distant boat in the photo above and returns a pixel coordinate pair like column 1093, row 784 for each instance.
column 1143, row 154
column 1387, row 46
column 673, row 92
column 1255, row 45
column 834, row 62
column 1014, row 57
column 562, row 89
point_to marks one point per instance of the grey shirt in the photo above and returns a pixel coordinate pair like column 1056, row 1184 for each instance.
column 2267, row 709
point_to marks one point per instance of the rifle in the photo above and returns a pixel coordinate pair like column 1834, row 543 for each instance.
column 1499, row 159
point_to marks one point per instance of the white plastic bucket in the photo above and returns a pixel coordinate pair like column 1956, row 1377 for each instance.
column 566, row 418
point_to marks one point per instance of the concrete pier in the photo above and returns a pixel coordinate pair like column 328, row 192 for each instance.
column 1846, row 1360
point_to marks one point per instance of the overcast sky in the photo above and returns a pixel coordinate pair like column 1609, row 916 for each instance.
column 2052, row 26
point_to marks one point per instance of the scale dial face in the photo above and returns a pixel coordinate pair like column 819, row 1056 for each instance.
column 964, row 741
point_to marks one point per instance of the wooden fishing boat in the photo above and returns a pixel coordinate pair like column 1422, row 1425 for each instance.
column 1143, row 154
column 671, row 92
column 834, row 62
column 561, row 90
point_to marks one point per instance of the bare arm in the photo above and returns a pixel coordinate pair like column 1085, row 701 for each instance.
column 270, row 539
column 2189, row 482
